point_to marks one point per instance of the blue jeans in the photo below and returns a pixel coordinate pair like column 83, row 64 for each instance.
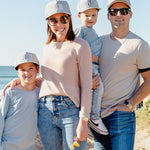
column 58, row 120
column 121, row 127
column 96, row 102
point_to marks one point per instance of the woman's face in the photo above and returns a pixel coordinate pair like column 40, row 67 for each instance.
column 59, row 24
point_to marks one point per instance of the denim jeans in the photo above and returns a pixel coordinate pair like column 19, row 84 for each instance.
column 96, row 102
column 121, row 126
column 58, row 120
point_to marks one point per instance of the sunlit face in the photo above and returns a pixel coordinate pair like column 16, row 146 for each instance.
column 119, row 20
column 59, row 24
column 89, row 17
column 27, row 73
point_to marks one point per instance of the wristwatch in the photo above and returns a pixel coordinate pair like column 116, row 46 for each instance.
column 129, row 105
column 84, row 118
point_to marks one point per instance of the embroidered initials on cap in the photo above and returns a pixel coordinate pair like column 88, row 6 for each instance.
column 60, row 6
column 90, row 3
column 28, row 57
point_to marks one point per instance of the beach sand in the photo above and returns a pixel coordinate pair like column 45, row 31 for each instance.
column 142, row 141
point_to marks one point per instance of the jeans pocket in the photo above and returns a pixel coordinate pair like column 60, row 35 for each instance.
column 41, row 104
column 69, row 103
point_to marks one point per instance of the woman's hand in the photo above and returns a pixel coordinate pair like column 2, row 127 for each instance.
column 96, row 81
column 82, row 130
column 11, row 84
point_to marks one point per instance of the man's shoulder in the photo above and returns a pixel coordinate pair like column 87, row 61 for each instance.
column 105, row 37
column 134, row 36
column 137, row 40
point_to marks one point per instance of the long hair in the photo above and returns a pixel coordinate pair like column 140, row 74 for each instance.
column 70, row 34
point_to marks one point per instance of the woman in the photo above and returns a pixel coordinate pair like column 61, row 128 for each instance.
column 66, row 75
column 66, row 82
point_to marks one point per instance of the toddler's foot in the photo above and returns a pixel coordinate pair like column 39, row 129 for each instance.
column 98, row 126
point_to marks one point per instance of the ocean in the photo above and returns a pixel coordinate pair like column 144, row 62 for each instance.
column 7, row 73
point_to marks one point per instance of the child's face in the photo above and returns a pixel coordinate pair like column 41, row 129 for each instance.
column 89, row 17
column 27, row 73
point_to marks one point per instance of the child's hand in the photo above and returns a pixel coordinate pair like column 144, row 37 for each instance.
column 94, row 58
column 75, row 143
column 96, row 81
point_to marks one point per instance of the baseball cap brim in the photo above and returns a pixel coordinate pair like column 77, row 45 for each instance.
column 119, row 1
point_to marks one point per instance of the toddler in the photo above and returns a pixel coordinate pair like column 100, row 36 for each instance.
column 88, row 13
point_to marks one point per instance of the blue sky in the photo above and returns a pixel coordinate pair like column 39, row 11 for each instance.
column 23, row 27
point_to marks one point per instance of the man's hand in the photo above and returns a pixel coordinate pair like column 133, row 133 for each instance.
column 94, row 58
column 96, row 81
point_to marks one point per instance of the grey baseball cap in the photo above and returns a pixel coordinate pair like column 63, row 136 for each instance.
column 111, row 2
column 26, row 57
column 57, row 6
column 84, row 5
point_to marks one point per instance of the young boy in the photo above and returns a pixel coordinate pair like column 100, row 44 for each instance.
column 18, row 108
column 88, row 13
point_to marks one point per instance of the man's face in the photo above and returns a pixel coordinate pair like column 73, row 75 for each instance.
column 119, row 15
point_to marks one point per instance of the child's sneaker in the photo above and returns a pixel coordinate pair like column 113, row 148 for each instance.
column 98, row 126
column 90, row 134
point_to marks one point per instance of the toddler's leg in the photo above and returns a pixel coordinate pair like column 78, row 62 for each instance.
column 95, row 121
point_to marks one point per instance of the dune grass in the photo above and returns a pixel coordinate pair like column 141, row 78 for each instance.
column 143, row 117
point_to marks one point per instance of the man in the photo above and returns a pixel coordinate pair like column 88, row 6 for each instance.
column 124, row 57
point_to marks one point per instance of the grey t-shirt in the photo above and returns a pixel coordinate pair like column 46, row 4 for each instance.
column 18, row 121
column 93, row 40
column 120, row 64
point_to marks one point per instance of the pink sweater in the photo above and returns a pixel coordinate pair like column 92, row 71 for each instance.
column 67, row 70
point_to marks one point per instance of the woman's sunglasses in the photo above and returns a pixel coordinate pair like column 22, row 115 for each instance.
column 123, row 11
column 63, row 19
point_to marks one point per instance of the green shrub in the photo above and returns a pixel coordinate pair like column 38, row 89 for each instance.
column 143, row 117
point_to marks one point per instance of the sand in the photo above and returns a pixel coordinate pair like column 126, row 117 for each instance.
column 142, row 141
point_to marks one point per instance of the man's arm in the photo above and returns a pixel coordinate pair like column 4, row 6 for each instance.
column 143, row 91
column 140, row 94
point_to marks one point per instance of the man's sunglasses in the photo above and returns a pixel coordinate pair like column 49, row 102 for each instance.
column 63, row 19
column 123, row 11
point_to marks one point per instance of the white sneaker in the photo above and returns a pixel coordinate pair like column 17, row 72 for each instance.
column 90, row 134
column 98, row 126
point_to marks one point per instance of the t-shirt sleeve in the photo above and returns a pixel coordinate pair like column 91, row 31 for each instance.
column 4, row 105
column 79, row 32
column 144, row 57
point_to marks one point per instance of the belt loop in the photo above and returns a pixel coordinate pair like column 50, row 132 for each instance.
column 61, row 98
column 44, row 100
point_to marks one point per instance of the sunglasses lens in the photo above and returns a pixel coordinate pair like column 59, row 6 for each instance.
column 64, row 19
column 123, row 11
column 52, row 21
column 112, row 12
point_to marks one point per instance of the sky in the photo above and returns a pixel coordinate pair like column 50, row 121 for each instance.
column 23, row 26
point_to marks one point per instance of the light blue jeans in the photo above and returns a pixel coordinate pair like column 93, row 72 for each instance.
column 58, row 120
column 96, row 102
column 121, row 126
